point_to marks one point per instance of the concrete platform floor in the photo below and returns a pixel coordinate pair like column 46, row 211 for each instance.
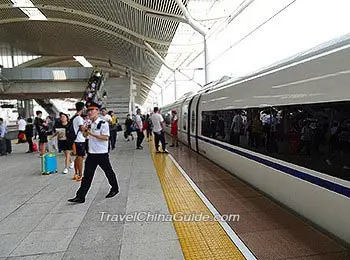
column 37, row 222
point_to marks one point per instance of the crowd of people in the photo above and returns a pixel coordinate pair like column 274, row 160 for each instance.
column 55, row 133
column 92, row 131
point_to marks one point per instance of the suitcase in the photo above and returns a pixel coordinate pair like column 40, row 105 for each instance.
column 48, row 163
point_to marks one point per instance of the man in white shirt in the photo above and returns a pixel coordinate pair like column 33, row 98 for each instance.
column 158, row 129
column 139, row 130
column 97, row 156
column 104, row 116
column 21, row 129
column 79, row 142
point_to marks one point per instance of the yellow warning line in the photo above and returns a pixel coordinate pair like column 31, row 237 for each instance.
column 199, row 240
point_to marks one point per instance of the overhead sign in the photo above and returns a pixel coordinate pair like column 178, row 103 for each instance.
column 7, row 106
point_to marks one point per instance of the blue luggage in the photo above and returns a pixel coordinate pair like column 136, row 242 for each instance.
column 48, row 163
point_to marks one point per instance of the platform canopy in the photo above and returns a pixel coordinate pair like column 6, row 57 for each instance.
column 109, row 34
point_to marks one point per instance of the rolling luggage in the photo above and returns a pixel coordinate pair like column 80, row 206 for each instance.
column 48, row 163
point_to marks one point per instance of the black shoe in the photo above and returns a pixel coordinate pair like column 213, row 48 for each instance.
column 112, row 194
column 165, row 151
column 77, row 200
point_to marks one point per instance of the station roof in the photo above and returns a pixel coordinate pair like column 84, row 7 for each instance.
column 109, row 34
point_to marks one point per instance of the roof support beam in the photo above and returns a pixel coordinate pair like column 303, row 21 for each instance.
column 170, row 67
column 202, row 30
column 151, row 49
column 193, row 23
column 165, row 64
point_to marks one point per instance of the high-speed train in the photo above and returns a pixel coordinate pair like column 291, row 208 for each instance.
column 285, row 130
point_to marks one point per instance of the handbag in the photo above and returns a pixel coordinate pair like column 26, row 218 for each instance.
column 119, row 128
column 35, row 147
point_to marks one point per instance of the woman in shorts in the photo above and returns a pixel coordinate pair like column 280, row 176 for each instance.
column 60, row 131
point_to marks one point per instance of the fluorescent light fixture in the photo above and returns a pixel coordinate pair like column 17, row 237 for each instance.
column 22, row 3
column 59, row 75
column 82, row 61
column 29, row 9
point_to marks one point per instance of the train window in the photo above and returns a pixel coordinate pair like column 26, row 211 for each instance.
column 167, row 118
column 193, row 122
column 315, row 136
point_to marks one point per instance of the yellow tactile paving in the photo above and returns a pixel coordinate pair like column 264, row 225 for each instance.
column 199, row 240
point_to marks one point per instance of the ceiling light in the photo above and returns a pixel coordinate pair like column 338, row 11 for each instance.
column 83, row 61
column 34, row 14
column 59, row 75
column 22, row 3
column 29, row 9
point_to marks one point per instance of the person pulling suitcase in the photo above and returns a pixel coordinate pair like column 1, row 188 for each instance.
column 98, row 133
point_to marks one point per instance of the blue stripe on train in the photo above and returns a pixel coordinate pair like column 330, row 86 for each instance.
column 345, row 191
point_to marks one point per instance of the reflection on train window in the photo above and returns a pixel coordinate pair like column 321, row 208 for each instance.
column 193, row 122
column 184, row 117
column 167, row 118
column 184, row 121
column 315, row 136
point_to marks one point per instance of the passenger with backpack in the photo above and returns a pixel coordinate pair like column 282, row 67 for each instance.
column 29, row 135
column 41, row 127
column 128, row 128
column 97, row 156
column 75, row 136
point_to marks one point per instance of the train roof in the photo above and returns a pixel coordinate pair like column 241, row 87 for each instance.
column 337, row 43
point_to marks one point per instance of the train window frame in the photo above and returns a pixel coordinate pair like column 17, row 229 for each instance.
column 297, row 134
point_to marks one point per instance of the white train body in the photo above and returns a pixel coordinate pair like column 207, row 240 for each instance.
column 319, row 78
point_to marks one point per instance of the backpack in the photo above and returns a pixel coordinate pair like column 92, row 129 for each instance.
column 70, row 133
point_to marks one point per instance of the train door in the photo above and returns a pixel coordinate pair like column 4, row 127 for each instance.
column 193, row 122
column 183, row 121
